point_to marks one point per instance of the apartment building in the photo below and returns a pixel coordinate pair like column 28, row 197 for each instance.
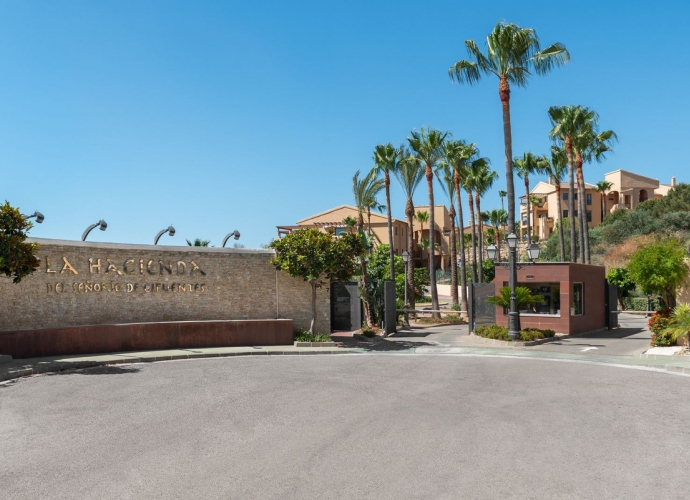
column 628, row 190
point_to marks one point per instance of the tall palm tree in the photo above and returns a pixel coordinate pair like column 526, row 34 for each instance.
column 198, row 242
column 589, row 144
column 533, row 200
column 512, row 54
column 427, row 147
column 482, row 180
column 445, row 176
column 567, row 122
column 409, row 174
column 528, row 165
column 386, row 160
column 458, row 156
column 602, row 188
column 556, row 170
column 502, row 194
column 365, row 191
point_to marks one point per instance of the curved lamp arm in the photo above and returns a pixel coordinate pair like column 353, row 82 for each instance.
column 37, row 214
column 169, row 229
column 236, row 235
column 101, row 224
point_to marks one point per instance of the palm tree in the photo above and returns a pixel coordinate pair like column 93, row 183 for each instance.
column 422, row 217
column 409, row 174
column 198, row 242
column 567, row 122
column 589, row 144
column 386, row 160
column 445, row 176
column 458, row 156
column 512, row 53
column 602, row 188
column 365, row 191
column 534, row 201
column 556, row 170
column 427, row 147
column 527, row 165
column 482, row 180
column 497, row 218
column 502, row 194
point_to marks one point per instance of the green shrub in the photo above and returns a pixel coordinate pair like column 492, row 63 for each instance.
column 662, row 339
column 676, row 221
column 300, row 335
column 493, row 332
column 659, row 320
column 633, row 223
column 368, row 332
column 639, row 304
column 529, row 334
column 523, row 296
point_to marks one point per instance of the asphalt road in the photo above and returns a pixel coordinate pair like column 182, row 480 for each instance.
column 352, row 426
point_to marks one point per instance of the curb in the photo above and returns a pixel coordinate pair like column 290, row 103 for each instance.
column 60, row 366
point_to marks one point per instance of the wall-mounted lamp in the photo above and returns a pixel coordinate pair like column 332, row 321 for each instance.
column 235, row 234
column 170, row 230
column 101, row 224
column 38, row 215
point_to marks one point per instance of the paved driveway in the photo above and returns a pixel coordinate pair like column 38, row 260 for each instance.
column 357, row 426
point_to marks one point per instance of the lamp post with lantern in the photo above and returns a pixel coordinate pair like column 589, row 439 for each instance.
column 512, row 265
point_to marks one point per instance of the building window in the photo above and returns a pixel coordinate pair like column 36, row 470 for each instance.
column 565, row 214
column 565, row 196
column 578, row 308
column 575, row 197
column 339, row 231
column 589, row 198
column 396, row 231
column 550, row 292
column 589, row 216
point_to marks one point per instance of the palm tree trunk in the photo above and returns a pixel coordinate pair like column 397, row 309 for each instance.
column 369, row 220
column 603, row 205
column 313, row 308
column 453, row 258
column 584, row 226
column 432, row 250
column 387, row 181
column 498, row 240
column 474, row 237
column 480, row 238
column 504, row 94
column 529, row 227
column 571, row 198
column 561, row 236
column 364, row 292
column 409, row 211
column 463, row 260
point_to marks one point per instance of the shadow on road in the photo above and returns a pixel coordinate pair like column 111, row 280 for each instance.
column 378, row 344
column 98, row 370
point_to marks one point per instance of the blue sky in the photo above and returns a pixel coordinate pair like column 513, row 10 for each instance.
column 222, row 115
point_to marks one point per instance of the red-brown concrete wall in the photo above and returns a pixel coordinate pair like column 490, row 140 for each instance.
column 145, row 336
column 566, row 274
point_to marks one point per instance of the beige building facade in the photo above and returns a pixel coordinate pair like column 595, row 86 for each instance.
column 628, row 190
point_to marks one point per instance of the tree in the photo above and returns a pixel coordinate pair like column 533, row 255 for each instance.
column 679, row 323
column 523, row 294
column 497, row 218
column 409, row 174
column 445, row 176
column 422, row 217
column 660, row 268
column 556, row 170
column 318, row 258
column 17, row 258
column 512, row 54
column 529, row 164
column 482, row 180
column 365, row 191
column 602, row 188
column 198, row 242
column 386, row 160
column 620, row 278
column 427, row 148
column 677, row 200
column 502, row 194
column 350, row 223
column 589, row 144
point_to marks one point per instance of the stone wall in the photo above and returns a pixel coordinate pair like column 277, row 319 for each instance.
column 84, row 283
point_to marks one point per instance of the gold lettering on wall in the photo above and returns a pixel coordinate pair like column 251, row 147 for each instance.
column 126, row 269
column 148, row 268
column 141, row 266
column 163, row 267
column 67, row 267
column 195, row 267
column 181, row 267
column 96, row 267
column 112, row 268
column 48, row 270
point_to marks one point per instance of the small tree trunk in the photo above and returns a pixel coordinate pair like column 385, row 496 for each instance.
column 527, row 201
column 571, row 198
column 463, row 259
column 480, row 237
column 561, row 236
column 584, row 225
column 365, row 294
column 474, row 237
column 409, row 211
column 432, row 250
column 453, row 258
column 313, row 308
column 504, row 94
column 387, row 181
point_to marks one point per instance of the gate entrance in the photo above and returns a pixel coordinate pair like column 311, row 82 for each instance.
column 481, row 312
column 346, row 308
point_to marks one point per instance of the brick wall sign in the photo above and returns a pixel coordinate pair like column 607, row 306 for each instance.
column 84, row 283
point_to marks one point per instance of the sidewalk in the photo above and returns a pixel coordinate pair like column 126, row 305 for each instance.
column 33, row 366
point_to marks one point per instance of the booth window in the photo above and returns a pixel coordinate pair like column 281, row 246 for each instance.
column 578, row 299
column 550, row 292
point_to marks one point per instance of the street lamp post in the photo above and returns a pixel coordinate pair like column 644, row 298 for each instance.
column 512, row 265
column 406, row 259
column 170, row 230
column 101, row 224
column 38, row 215
column 235, row 234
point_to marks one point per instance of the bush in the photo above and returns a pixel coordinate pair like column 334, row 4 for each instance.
column 493, row 332
column 662, row 339
column 529, row 334
column 639, row 304
column 368, row 332
column 659, row 320
column 453, row 319
column 305, row 336
column 676, row 221
column 633, row 223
